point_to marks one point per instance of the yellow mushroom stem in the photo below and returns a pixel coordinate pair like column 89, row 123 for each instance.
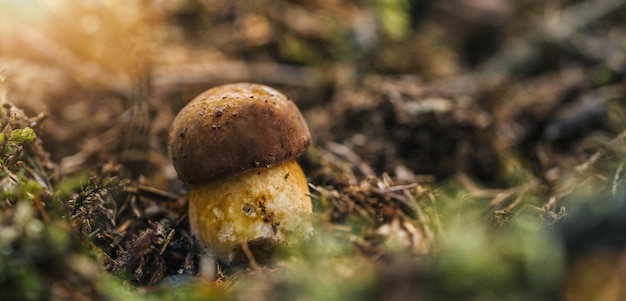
column 264, row 207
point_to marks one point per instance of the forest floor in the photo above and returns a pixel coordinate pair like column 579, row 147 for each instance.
column 465, row 150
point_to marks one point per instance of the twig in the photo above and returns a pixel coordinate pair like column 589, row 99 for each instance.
column 352, row 157
column 152, row 192
column 167, row 78
column 246, row 250
column 167, row 241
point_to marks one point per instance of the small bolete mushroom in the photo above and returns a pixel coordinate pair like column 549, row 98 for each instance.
column 235, row 145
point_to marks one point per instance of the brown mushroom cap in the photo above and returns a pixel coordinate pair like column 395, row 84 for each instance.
column 233, row 128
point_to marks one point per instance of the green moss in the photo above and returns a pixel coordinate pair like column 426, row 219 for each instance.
column 20, row 136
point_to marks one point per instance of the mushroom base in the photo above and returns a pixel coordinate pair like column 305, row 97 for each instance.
column 263, row 208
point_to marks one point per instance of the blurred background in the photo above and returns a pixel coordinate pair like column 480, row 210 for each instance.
column 503, row 119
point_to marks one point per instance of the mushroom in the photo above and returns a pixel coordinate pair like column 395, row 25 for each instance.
column 235, row 145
